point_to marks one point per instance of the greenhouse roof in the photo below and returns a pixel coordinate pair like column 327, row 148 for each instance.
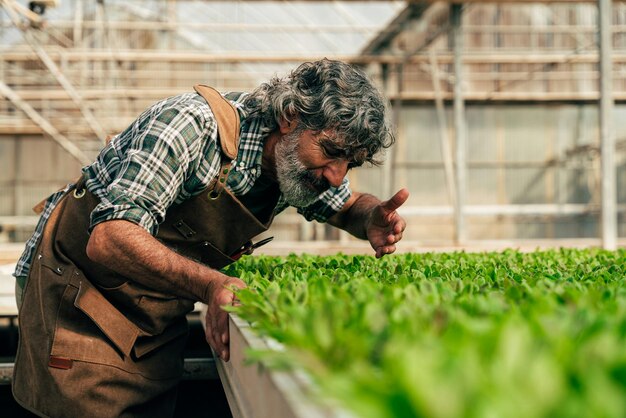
column 238, row 27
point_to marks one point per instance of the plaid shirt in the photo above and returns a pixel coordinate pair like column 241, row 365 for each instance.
column 169, row 154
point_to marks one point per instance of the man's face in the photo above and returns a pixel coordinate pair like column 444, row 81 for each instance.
column 303, row 170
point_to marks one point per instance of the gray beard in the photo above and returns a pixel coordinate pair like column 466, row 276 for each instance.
column 299, row 187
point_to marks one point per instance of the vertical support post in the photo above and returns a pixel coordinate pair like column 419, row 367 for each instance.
column 607, row 138
column 446, row 146
column 396, row 115
column 78, row 23
column 18, row 179
column 99, row 43
column 456, row 37
column 79, row 42
column 171, row 17
column 306, row 230
column 387, row 166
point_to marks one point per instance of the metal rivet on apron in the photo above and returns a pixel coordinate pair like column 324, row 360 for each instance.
column 179, row 224
column 59, row 270
column 79, row 193
column 39, row 257
column 189, row 234
column 213, row 195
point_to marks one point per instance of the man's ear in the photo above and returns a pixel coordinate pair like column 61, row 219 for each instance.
column 287, row 126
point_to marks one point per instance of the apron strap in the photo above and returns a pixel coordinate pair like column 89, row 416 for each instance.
column 227, row 119
column 220, row 182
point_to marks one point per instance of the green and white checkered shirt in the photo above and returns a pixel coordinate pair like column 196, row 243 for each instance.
column 169, row 154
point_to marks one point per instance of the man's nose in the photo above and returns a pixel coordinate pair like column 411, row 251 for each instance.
column 335, row 172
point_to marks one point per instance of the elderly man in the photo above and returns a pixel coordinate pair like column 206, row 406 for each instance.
column 119, row 258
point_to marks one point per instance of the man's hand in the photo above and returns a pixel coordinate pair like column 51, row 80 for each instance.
column 217, row 318
column 385, row 226
column 366, row 217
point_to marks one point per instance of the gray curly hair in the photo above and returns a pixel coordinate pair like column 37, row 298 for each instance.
column 323, row 95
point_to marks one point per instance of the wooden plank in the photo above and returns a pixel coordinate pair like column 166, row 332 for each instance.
column 547, row 209
column 146, row 55
column 154, row 26
column 405, row 95
column 506, row 1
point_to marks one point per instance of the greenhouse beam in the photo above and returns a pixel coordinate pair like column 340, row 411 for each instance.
column 39, row 50
column 607, row 139
column 446, row 145
column 456, row 14
column 46, row 126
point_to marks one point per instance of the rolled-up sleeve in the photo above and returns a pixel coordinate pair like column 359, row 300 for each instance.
column 328, row 203
column 152, row 167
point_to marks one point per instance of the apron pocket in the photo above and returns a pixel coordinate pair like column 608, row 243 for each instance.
column 90, row 329
column 80, row 338
column 111, row 322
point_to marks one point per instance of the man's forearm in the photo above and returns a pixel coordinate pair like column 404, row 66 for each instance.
column 131, row 251
column 354, row 218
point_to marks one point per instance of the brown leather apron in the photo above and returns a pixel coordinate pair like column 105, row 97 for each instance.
column 93, row 343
